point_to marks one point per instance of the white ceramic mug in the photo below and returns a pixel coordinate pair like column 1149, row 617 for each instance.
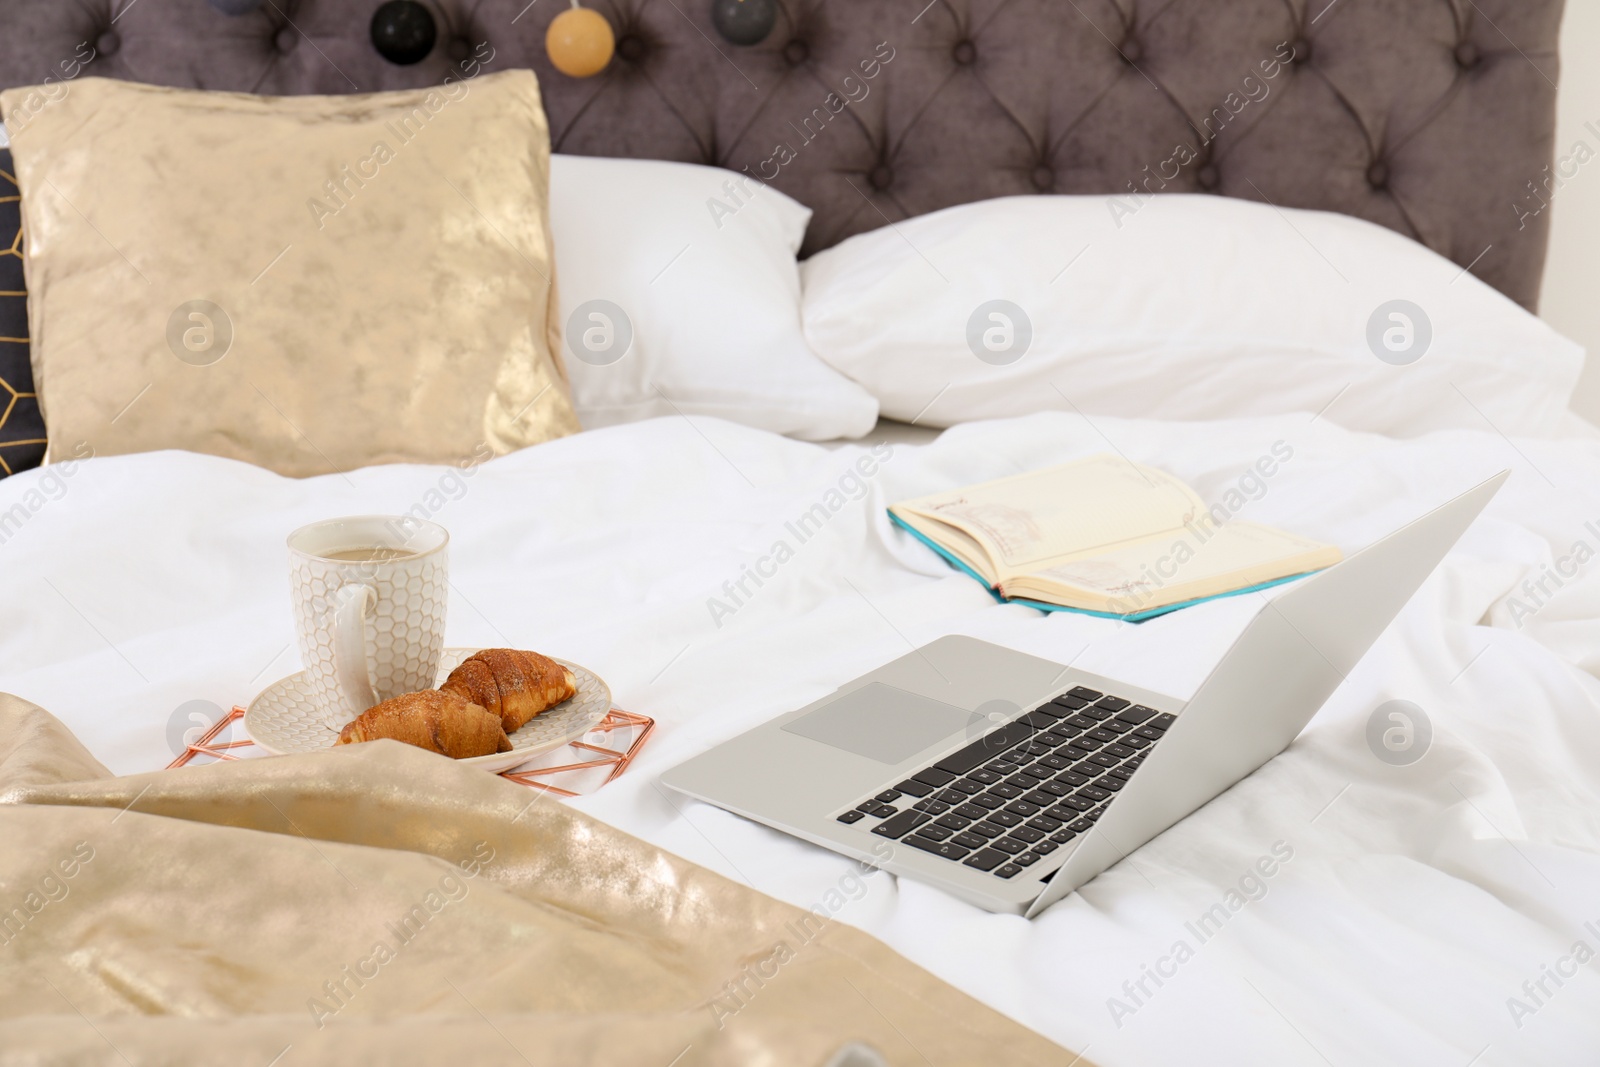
column 369, row 605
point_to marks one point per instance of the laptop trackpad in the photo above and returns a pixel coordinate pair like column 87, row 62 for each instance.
column 882, row 723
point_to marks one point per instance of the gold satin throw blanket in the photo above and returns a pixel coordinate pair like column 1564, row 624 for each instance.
column 384, row 905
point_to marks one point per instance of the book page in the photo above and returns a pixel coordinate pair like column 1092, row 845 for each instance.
column 1074, row 509
column 953, row 541
column 1168, row 570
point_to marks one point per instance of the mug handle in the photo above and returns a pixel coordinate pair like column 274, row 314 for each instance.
column 351, row 604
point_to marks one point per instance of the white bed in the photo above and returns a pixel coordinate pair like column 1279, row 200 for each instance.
column 1334, row 908
column 1419, row 912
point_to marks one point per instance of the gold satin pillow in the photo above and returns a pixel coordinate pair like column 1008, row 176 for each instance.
column 308, row 283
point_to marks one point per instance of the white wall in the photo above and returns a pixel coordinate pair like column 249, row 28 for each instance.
column 1571, row 296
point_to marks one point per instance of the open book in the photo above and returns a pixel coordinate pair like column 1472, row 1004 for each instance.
column 1106, row 536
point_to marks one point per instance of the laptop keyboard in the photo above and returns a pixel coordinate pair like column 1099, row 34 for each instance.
column 1009, row 799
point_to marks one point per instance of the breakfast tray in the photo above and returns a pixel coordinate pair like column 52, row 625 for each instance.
column 579, row 767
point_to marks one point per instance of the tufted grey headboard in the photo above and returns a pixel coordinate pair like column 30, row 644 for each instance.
column 1433, row 117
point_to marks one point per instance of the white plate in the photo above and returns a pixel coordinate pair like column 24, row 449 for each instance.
column 283, row 718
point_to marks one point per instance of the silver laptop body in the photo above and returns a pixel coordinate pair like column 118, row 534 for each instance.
column 972, row 706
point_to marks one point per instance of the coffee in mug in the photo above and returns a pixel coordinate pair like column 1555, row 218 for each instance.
column 369, row 595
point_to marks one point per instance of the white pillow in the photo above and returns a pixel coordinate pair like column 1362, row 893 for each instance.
column 680, row 294
column 1179, row 307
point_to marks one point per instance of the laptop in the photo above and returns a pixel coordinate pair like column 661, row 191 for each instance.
column 1009, row 780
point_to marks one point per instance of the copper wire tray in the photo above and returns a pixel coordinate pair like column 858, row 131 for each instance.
column 583, row 766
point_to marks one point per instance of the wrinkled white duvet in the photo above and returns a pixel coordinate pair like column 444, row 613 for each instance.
column 1446, row 912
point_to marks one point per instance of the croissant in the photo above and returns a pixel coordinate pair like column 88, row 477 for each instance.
column 439, row 722
column 513, row 685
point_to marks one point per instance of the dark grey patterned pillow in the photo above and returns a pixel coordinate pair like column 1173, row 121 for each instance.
column 21, row 425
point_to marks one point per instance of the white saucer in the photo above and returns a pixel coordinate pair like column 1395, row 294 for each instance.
column 283, row 718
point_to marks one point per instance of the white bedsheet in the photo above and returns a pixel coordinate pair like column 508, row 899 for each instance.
column 1418, row 900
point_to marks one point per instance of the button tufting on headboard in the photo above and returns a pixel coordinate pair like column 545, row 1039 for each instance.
column 632, row 47
column 875, row 110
